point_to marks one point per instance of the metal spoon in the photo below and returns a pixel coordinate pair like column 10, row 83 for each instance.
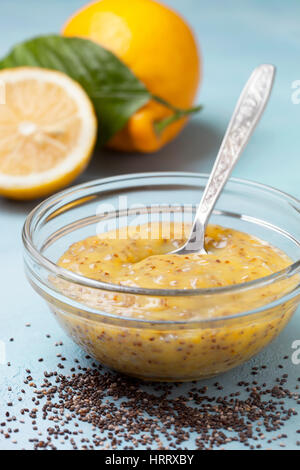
column 246, row 115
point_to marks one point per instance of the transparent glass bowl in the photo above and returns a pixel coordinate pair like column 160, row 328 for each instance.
column 115, row 324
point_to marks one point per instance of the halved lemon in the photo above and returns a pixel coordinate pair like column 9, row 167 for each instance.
column 48, row 130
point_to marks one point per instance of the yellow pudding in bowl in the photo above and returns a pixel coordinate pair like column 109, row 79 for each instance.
column 136, row 257
column 105, row 273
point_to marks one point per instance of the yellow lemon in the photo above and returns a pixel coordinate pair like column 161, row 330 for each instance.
column 48, row 130
column 160, row 49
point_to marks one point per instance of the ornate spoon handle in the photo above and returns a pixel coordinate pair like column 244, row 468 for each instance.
column 246, row 115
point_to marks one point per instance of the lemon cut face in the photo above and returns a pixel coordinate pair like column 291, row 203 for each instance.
column 48, row 131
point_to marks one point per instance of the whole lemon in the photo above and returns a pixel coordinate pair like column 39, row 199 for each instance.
column 160, row 49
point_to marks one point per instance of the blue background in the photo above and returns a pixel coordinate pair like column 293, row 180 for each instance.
column 234, row 37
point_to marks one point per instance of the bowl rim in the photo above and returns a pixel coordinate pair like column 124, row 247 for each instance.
column 80, row 280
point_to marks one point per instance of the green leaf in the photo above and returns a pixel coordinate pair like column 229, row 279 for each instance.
column 112, row 87
column 160, row 126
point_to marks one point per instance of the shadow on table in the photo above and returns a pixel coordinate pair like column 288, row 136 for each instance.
column 17, row 207
column 194, row 150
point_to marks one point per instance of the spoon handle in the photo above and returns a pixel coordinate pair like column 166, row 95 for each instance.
column 246, row 115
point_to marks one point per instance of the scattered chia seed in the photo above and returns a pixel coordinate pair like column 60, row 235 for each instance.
column 122, row 413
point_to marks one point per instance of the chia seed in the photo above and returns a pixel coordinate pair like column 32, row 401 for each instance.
column 123, row 413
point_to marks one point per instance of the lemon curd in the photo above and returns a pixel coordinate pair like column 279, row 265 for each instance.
column 197, row 343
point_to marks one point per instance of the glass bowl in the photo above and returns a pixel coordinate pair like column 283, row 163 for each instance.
column 144, row 332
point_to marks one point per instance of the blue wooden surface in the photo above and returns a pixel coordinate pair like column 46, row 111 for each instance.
column 234, row 36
